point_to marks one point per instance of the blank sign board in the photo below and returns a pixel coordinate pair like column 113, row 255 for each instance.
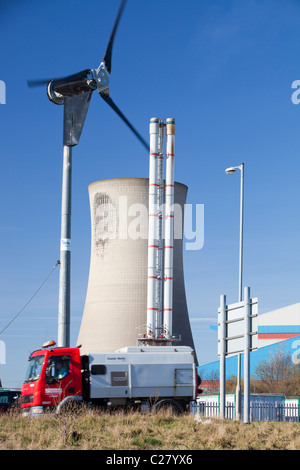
column 235, row 327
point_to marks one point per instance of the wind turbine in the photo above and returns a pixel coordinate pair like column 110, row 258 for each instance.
column 75, row 92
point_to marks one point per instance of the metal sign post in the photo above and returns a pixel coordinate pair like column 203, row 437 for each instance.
column 222, row 355
column 238, row 391
column 247, row 347
column 237, row 333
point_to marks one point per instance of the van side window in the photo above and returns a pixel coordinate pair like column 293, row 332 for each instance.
column 98, row 369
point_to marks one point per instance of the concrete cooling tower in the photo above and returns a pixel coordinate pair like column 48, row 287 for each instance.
column 115, row 309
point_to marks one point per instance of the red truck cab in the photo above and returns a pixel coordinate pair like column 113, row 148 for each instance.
column 53, row 377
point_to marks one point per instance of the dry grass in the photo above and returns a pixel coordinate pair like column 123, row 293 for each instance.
column 90, row 430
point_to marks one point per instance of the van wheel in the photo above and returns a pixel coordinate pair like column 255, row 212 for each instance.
column 169, row 406
column 70, row 405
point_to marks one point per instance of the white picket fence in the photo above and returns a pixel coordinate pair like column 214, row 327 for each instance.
column 259, row 411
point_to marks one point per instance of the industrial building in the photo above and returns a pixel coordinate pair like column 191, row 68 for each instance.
column 279, row 328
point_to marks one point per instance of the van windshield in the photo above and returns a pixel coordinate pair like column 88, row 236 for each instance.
column 34, row 368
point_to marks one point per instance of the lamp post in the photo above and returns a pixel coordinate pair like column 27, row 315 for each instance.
column 230, row 171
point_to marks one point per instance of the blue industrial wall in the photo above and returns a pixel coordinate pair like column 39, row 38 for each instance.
column 211, row 371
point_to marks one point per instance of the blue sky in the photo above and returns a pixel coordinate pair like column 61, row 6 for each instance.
column 224, row 71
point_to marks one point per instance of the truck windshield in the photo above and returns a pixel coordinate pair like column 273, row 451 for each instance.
column 34, row 368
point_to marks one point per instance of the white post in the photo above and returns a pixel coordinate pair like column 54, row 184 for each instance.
column 223, row 335
column 169, row 227
column 238, row 396
column 241, row 234
column 152, row 243
column 63, row 335
column 247, row 313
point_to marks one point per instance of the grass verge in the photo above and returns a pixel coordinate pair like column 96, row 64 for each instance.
column 90, row 430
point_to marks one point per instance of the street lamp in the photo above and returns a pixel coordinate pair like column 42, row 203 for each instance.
column 230, row 171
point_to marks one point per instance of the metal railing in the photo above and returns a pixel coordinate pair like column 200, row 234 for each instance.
column 259, row 411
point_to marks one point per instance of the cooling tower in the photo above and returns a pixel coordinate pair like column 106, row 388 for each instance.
column 115, row 309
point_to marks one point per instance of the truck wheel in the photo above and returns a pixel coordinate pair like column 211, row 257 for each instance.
column 171, row 406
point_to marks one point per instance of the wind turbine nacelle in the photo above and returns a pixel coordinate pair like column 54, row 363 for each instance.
column 72, row 85
column 79, row 83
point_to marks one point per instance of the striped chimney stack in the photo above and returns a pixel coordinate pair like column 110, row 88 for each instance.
column 161, row 225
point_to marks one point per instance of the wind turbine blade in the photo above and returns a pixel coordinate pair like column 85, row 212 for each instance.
column 62, row 81
column 108, row 53
column 33, row 83
column 110, row 102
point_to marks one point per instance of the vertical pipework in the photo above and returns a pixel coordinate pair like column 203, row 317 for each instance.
column 152, row 243
column 169, row 227
column 159, row 235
